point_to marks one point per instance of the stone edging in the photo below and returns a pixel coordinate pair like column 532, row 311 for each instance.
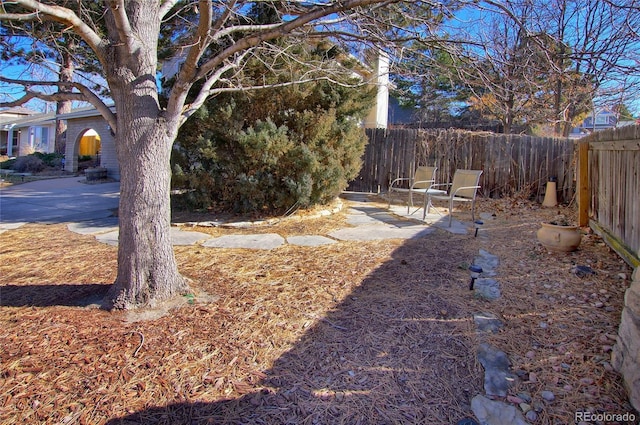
column 336, row 206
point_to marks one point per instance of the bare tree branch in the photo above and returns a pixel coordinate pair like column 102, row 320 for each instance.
column 62, row 15
column 166, row 6
column 83, row 94
column 199, row 42
column 123, row 26
column 280, row 30
column 53, row 97
column 237, row 50
column 19, row 17
column 205, row 92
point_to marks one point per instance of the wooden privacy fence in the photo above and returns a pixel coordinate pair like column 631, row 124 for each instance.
column 609, row 189
column 512, row 164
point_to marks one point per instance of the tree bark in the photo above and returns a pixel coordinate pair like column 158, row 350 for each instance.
column 147, row 268
column 63, row 106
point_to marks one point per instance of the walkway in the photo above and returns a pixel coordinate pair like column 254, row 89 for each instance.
column 88, row 209
column 368, row 221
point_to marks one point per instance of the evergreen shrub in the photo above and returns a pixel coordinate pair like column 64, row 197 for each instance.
column 271, row 151
column 50, row 159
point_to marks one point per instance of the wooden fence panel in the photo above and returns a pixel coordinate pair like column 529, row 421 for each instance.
column 614, row 188
column 512, row 164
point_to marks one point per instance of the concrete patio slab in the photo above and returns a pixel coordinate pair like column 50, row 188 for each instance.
column 186, row 237
column 110, row 238
column 88, row 209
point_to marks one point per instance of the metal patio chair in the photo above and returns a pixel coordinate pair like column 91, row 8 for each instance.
column 420, row 183
column 463, row 188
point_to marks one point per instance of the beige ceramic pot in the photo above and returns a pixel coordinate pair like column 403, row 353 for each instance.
column 559, row 238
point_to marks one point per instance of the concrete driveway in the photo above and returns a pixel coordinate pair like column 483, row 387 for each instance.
column 60, row 200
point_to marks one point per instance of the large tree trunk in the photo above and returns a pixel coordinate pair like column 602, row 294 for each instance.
column 147, row 269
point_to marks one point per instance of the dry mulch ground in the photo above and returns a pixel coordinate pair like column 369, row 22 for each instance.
column 351, row 333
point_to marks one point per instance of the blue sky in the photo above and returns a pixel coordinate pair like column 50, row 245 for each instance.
column 465, row 19
column 9, row 92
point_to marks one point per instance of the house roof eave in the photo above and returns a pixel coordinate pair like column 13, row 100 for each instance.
column 85, row 112
column 38, row 119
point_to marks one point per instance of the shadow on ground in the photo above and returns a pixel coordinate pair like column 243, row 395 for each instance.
column 80, row 295
column 396, row 350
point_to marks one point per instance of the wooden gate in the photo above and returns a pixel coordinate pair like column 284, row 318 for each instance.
column 610, row 189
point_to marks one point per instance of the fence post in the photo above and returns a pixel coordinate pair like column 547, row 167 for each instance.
column 583, row 184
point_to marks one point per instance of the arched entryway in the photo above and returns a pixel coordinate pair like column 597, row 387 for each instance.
column 88, row 134
column 88, row 149
column 89, row 144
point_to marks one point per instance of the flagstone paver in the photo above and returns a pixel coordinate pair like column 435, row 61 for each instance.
column 179, row 237
column 366, row 222
column 258, row 241
column 374, row 232
column 310, row 240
